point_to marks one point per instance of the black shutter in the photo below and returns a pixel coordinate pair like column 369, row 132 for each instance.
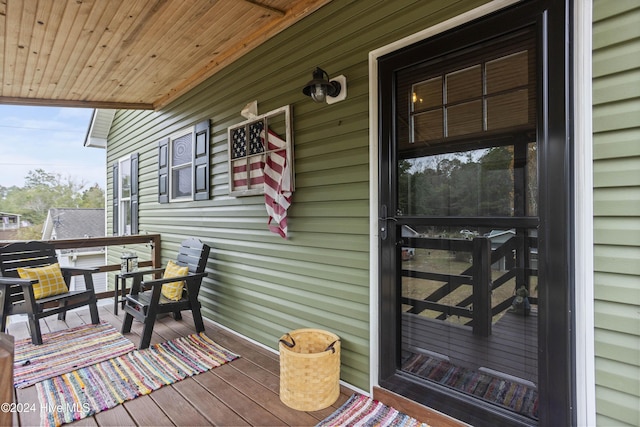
column 134, row 193
column 163, row 171
column 201, row 162
column 116, row 203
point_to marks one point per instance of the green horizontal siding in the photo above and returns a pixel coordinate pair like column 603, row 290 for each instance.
column 614, row 345
column 616, row 125
column 259, row 284
column 617, row 288
column 617, row 231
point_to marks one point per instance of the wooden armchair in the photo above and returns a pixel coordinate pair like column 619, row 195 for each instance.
column 38, row 261
column 145, row 305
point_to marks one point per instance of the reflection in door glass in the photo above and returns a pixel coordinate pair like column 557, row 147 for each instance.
column 470, row 183
column 446, row 339
column 466, row 210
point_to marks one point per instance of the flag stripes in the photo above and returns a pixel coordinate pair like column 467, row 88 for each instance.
column 277, row 184
column 254, row 178
column 259, row 162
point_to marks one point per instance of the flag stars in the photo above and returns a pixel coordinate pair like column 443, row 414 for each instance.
column 239, row 143
column 255, row 140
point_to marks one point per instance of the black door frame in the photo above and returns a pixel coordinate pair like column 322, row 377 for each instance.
column 556, row 343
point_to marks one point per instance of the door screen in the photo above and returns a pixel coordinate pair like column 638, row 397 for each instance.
column 465, row 211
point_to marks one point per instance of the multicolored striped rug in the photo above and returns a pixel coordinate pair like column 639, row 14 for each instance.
column 66, row 350
column 513, row 395
column 96, row 388
column 362, row 411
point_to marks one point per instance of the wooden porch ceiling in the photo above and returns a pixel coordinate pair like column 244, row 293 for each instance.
column 128, row 54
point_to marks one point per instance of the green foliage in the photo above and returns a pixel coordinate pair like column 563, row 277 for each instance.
column 463, row 185
column 93, row 197
column 44, row 190
column 33, row 232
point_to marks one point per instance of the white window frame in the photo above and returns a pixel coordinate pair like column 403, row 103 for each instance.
column 124, row 214
column 172, row 168
column 287, row 134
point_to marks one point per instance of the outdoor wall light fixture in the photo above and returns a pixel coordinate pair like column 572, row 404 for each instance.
column 321, row 89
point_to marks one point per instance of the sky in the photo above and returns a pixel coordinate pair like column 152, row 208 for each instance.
column 49, row 138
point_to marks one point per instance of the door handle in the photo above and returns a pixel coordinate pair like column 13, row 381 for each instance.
column 383, row 226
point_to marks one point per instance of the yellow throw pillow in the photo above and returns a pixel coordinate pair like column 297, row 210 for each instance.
column 50, row 281
column 173, row 290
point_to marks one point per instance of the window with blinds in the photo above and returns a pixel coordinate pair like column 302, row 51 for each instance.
column 493, row 95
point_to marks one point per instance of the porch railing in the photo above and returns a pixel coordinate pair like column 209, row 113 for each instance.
column 153, row 240
column 477, row 307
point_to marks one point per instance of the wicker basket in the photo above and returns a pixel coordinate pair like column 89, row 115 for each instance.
column 309, row 369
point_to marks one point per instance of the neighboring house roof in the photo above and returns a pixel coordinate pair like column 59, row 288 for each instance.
column 74, row 223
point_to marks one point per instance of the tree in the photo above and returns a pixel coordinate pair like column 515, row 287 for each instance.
column 40, row 177
column 497, row 182
column 93, row 197
column 458, row 184
column 44, row 190
column 33, row 232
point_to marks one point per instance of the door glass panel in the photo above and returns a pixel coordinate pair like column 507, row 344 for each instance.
column 464, row 84
column 470, row 101
column 463, row 119
column 426, row 104
column 508, row 109
column 466, row 213
column 468, row 183
column 427, row 94
column 508, row 72
column 427, row 126
column 441, row 342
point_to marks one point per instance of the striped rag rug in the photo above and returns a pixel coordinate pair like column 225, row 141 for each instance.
column 66, row 350
column 362, row 411
column 92, row 389
column 514, row 395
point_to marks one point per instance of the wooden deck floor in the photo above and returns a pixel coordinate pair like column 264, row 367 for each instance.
column 241, row 393
column 512, row 347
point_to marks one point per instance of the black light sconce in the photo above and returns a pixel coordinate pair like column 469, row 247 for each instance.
column 321, row 89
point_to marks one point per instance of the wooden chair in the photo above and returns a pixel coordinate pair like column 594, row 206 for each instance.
column 146, row 305
column 17, row 295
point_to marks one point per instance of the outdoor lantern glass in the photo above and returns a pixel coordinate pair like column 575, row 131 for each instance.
column 320, row 87
column 318, row 94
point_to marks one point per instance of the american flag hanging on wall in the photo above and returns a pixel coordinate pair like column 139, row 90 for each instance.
column 277, row 184
column 247, row 170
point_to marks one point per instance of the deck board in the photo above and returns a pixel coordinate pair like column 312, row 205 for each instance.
column 145, row 412
column 512, row 347
column 177, row 407
column 243, row 392
column 214, row 410
column 114, row 417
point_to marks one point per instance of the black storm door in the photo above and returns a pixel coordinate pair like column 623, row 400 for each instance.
column 475, row 199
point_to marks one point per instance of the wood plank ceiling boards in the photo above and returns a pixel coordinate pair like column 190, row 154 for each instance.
column 128, row 54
